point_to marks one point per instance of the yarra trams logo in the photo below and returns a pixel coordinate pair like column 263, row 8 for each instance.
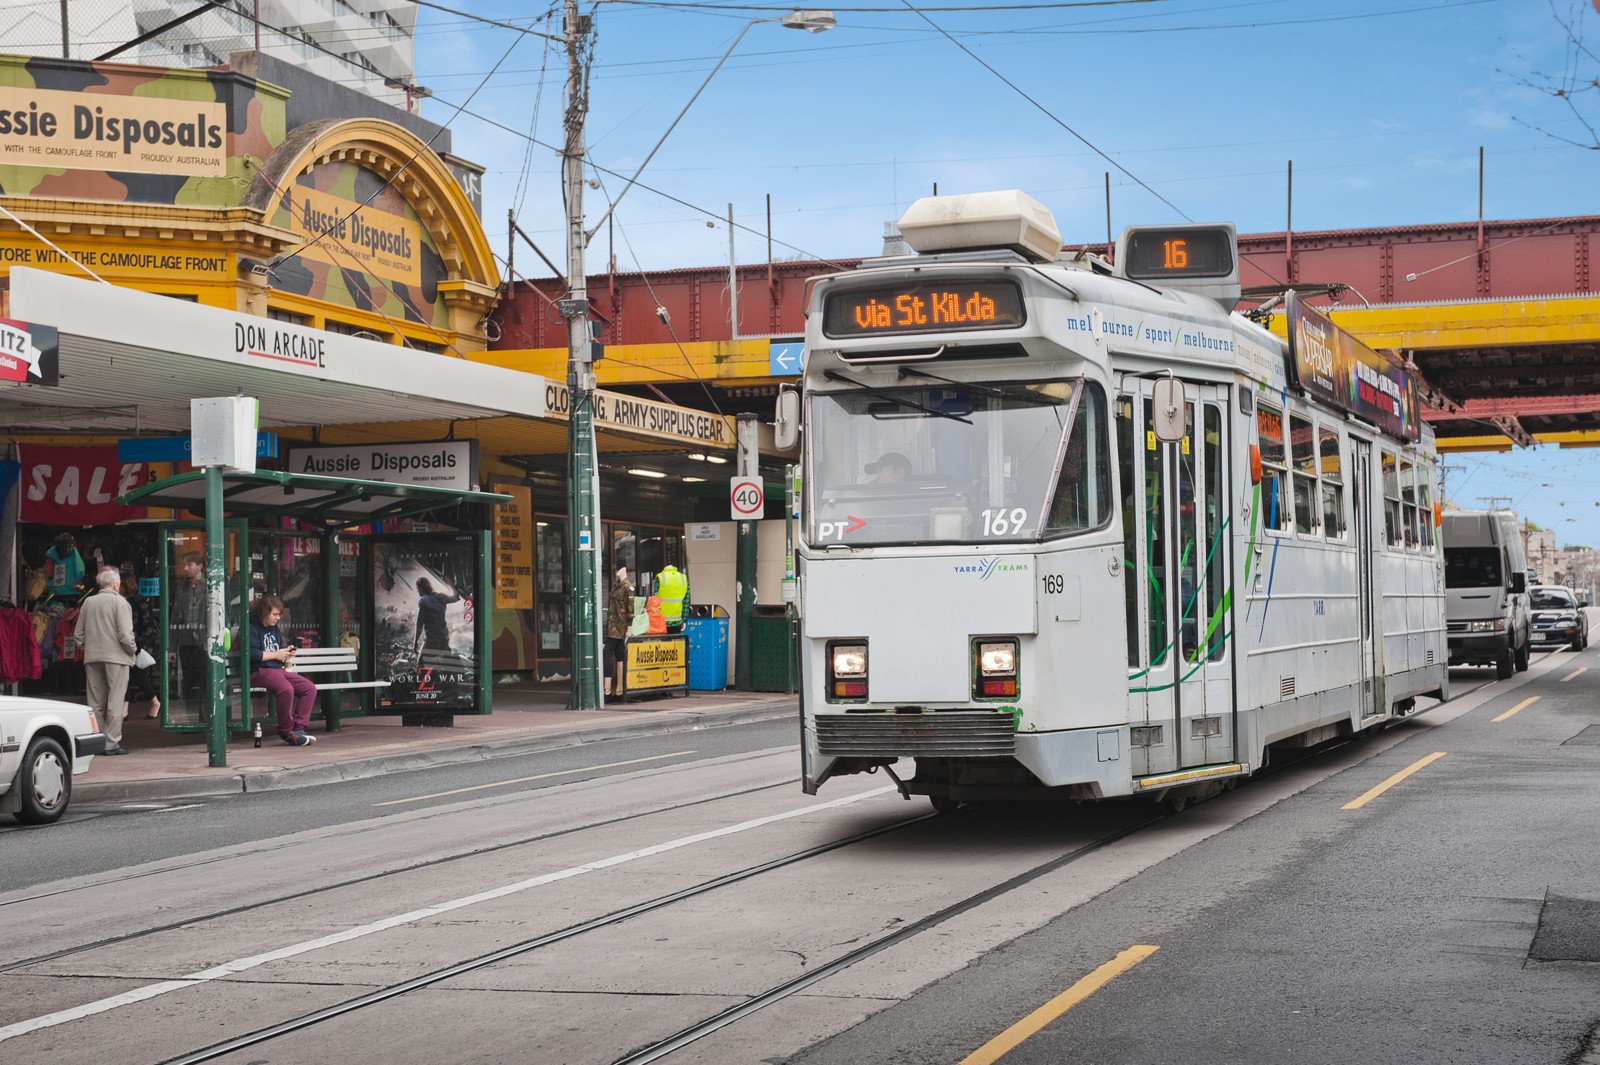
column 988, row 567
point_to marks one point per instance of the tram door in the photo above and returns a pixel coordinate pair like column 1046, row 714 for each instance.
column 1361, row 500
column 1177, row 566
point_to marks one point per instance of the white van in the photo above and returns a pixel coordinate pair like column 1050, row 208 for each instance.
column 43, row 745
column 1486, row 590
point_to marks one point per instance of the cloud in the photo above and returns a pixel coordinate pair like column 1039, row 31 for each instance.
column 1491, row 118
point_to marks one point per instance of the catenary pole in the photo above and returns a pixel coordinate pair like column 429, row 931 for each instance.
column 216, row 700
column 583, row 509
column 749, row 465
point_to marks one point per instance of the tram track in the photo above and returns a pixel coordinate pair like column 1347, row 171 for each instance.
column 659, row 1049
column 245, row 908
column 383, row 822
column 393, row 991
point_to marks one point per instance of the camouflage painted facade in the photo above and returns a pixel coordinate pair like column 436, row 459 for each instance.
column 338, row 265
column 180, row 181
column 254, row 127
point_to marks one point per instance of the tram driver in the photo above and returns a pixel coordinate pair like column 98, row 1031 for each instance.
column 889, row 469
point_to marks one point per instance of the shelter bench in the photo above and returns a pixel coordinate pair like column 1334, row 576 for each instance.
column 332, row 662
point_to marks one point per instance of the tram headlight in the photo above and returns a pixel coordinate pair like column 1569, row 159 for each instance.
column 997, row 659
column 847, row 672
column 850, row 660
column 995, row 669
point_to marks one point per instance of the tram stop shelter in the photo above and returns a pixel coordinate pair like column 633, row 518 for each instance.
column 353, row 601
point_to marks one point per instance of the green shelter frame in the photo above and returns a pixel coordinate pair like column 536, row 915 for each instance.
column 333, row 505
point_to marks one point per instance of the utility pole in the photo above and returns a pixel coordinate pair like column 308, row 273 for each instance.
column 1444, row 472
column 1495, row 502
column 583, row 504
column 749, row 465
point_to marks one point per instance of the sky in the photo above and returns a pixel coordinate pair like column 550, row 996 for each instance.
column 1199, row 105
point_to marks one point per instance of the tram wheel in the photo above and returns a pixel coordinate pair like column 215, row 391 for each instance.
column 944, row 804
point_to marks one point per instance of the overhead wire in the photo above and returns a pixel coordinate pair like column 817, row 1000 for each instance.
column 661, row 312
column 708, row 213
column 1043, row 109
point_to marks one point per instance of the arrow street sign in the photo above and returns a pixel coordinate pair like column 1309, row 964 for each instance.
column 785, row 359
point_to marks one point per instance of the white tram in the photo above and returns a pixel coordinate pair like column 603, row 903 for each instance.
column 1081, row 531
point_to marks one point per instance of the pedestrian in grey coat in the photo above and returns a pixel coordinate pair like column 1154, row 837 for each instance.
column 105, row 624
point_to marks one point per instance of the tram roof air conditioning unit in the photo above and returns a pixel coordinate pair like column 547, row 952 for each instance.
column 1009, row 219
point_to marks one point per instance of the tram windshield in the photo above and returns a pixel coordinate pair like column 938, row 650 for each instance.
column 957, row 463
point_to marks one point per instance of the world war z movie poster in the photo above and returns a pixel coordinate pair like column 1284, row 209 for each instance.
column 425, row 595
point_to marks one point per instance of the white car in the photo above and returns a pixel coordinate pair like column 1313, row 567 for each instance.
column 43, row 745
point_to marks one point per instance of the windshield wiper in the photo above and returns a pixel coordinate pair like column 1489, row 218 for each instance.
column 1021, row 395
column 832, row 375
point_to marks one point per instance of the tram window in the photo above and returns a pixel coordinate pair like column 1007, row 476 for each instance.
column 1083, row 489
column 1157, row 575
column 1391, row 500
column 1332, row 484
column 1274, row 468
column 1303, row 451
column 1408, row 503
column 1216, row 531
column 1191, row 549
column 1131, row 569
column 1425, row 505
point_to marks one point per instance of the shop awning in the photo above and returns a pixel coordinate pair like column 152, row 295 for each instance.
column 131, row 361
column 333, row 502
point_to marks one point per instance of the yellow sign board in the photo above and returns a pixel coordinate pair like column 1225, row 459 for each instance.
column 121, row 134
column 513, row 549
column 110, row 258
column 350, row 235
column 657, row 662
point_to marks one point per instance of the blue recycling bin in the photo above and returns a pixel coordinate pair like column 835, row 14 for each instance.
column 708, row 652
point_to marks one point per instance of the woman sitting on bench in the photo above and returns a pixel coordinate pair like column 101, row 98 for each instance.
column 292, row 695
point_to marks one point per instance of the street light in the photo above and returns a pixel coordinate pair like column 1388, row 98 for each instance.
column 583, row 485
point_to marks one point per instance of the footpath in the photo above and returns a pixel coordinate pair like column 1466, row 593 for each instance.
column 163, row 766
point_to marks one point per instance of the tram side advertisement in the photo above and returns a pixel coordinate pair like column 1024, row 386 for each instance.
column 1334, row 366
column 425, row 594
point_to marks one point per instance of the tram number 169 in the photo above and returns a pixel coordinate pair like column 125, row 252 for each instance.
column 1004, row 522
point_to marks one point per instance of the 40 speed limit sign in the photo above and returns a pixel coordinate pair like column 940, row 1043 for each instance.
column 747, row 498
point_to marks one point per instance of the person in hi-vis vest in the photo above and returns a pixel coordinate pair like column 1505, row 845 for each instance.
column 673, row 588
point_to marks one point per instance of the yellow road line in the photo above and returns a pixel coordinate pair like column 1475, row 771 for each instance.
column 541, row 776
column 1013, row 1037
column 1520, row 706
column 1574, row 673
column 1392, row 781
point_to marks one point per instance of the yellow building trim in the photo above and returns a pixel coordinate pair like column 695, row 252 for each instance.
column 1573, row 438
column 1491, row 323
column 722, row 361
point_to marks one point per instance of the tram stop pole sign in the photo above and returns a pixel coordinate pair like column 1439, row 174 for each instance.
column 747, row 497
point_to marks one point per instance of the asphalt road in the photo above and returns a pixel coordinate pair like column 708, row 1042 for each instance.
column 94, row 838
column 1455, row 917
column 1426, row 894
